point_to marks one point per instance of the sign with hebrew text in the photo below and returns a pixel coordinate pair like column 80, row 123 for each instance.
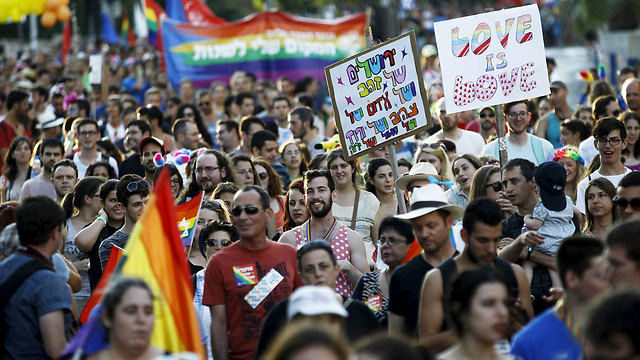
column 492, row 58
column 378, row 96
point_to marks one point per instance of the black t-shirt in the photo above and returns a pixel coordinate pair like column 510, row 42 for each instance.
column 404, row 291
column 132, row 165
column 512, row 226
column 95, row 269
column 360, row 323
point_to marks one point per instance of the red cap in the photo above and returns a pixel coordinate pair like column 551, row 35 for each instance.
column 155, row 140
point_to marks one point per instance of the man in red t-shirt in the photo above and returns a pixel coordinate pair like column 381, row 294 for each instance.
column 13, row 124
column 245, row 280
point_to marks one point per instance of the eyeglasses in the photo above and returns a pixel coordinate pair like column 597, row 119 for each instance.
column 88, row 133
column 249, row 209
column 390, row 241
column 514, row 115
column 207, row 103
column 208, row 169
column 175, row 181
column 135, row 185
column 622, row 203
column 497, row 186
column 484, row 115
column 292, row 153
column 263, row 175
column 615, row 141
column 214, row 242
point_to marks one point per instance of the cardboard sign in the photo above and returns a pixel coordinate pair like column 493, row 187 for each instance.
column 492, row 58
column 378, row 96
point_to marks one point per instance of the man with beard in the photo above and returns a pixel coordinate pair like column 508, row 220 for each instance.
column 64, row 176
column 467, row 142
column 13, row 123
column 520, row 144
column 211, row 168
column 485, row 125
column 136, row 131
column 347, row 244
column 149, row 147
column 301, row 125
column 51, row 151
column 481, row 232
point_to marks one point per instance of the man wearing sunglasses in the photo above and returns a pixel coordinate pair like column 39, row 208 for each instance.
column 467, row 142
column 628, row 197
column 266, row 271
column 610, row 139
column 133, row 193
column 345, row 243
column 603, row 106
column 485, row 124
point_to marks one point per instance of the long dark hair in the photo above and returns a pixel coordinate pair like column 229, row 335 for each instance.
column 626, row 116
column 608, row 188
column 289, row 224
column 198, row 119
column 275, row 184
column 88, row 186
column 10, row 168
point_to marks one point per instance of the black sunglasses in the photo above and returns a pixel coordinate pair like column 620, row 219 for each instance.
column 319, row 171
column 214, row 204
column 214, row 242
column 497, row 186
column 263, row 175
column 249, row 209
column 135, row 185
column 622, row 203
column 432, row 146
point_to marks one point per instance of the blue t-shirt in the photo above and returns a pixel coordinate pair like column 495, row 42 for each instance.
column 42, row 293
column 546, row 337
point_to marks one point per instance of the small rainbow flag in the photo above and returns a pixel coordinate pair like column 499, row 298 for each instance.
column 153, row 13
column 187, row 215
column 126, row 33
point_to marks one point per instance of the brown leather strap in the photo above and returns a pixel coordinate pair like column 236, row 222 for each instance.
column 355, row 210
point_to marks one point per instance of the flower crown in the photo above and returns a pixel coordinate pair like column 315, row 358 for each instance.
column 568, row 154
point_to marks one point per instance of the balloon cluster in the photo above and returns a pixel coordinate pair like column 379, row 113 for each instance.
column 51, row 10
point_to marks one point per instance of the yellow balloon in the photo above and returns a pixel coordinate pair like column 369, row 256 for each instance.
column 63, row 13
column 48, row 19
column 15, row 15
column 4, row 16
column 24, row 7
column 37, row 7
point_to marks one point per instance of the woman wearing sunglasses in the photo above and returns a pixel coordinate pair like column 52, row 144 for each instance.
column 487, row 182
column 214, row 237
column 293, row 158
column 601, row 212
column 573, row 163
column 436, row 154
column 365, row 218
column 270, row 181
column 211, row 210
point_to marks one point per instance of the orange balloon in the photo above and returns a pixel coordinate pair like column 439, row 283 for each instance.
column 52, row 5
column 48, row 19
column 64, row 13
column 64, row 2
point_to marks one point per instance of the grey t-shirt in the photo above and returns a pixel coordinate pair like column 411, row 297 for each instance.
column 118, row 238
column 556, row 226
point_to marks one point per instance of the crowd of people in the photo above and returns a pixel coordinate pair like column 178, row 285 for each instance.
column 490, row 261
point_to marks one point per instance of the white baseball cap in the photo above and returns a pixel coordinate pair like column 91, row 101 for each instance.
column 315, row 300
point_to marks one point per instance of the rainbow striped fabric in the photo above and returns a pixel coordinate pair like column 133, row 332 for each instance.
column 268, row 44
column 153, row 13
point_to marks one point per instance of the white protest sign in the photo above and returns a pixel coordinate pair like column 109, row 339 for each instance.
column 378, row 96
column 492, row 58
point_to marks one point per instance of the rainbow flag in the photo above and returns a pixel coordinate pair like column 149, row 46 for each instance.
column 154, row 253
column 187, row 215
column 153, row 13
column 268, row 44
column 414, row 251
column 126, row 33
column 98, row 293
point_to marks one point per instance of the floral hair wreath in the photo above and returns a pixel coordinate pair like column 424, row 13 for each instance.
column 568, row 154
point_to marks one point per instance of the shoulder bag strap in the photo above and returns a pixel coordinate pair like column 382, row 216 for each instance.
column 355, row 210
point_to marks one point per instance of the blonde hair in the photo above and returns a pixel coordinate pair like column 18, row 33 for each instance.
column 441, row 153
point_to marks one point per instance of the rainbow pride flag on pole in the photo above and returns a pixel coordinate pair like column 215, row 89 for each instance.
column 268, row 44
column 187, row 215
column 153, row 13
column 98, row 293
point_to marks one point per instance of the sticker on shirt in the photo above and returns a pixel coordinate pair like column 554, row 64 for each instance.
column 502, row 346
column 264, row 288
column 374, row 302
column 245, row 275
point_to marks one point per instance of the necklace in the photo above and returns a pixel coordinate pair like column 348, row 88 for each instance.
column 326, row 236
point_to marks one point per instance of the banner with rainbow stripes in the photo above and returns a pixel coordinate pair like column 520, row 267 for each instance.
column 268, row 44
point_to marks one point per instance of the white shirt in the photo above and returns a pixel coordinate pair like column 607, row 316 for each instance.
column 284, row 135
column 582, row 186
column 588, row 150
column 521, row 152
column 468, row 142
column 82, row 168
